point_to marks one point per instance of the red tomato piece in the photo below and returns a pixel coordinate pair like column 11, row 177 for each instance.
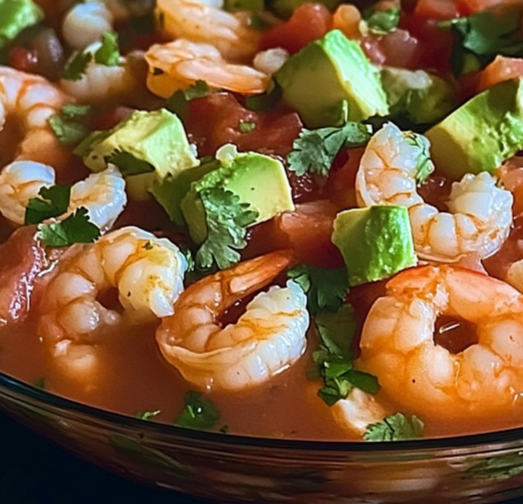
column 501, row 69
column 398, row 48
column 23, row 59
column 467, row 7
column 22, row 258
column 309, row 230
column 216, row 119
column 108, row 119
column 309, row 22
column 436, row 9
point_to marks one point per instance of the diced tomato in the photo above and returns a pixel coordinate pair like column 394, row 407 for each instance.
column 23, row 59
column 216, row 119
column 309, row 229
column 22, row 258
column 436, row 9
column 340, row 187
column 107, row 119
column 398, row 48
column 501, row 69
column 309, row 22
column 467, row 7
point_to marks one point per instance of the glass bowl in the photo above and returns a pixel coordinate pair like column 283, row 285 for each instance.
column 484, row 468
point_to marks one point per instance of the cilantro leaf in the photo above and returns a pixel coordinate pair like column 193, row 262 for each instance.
column 75, row 110
column 179, row 101
column 264, row 102
column 384, row 21
column 54, row 202
column 77, row 65
column 67, row 124
column 77, row 228
column 424, row 165
column 499, row 467
column 325, row 288
column 40, row 383
column 108, row 54
column 199, row 413
column 479, row 38
column 397, row 427
column 128, row 164
column 314, row 150
column 227, row 220
column 147, row 415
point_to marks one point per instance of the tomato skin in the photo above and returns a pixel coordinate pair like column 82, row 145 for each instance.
column 214, row 120
column 440, row 10
column 468, row 7
column 501, row 69
column 23, row 59
column 309, row 22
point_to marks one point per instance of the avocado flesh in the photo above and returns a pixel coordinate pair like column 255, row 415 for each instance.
column 155, row 138
column 15, row 16
column 327, row 73
column 375, row 242
column 256, row 179
column 420, row 96
column 481, row 134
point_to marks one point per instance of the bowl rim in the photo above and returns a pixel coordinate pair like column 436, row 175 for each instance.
column 486, row 439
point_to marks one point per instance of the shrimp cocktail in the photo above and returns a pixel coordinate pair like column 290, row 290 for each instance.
column 272, row 218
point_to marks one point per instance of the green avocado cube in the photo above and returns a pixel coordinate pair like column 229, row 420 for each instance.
column 259, row 180
column 375, row 242
column 326, row 76
column 15, row 16
column 146, row 147
column 481, row 134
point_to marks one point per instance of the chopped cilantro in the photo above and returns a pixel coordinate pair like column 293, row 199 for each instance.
column 77, row 228
column 128, row 164
column 257, row 21
column 314, row 150
column 224, row 429
column 227, row 220
column 179, row 101
column 54, row 202
column 383, row 21
column 246, row 126
column 424, row 165
column 147, row 415
column 199, row 412
column 480, row 37
column 334, row 358
column 396, row 427
column 77, row 65
column 500, row 467
column 189, row 257
column 40, row 383
column 266, row 101
column 325, row 288
column 67, row 124
column 108, row 54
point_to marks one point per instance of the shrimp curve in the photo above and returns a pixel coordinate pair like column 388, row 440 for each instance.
column 397, row 344
column 267, row 339
column 481, row 213
column 102, row 194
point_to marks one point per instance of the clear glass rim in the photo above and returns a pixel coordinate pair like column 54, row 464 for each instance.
column 476, row 441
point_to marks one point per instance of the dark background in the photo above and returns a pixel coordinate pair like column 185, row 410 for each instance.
column 34, row 471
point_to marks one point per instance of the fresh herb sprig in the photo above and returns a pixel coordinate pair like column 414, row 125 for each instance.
column 69, row 124
column 198, row 413
column 77, row 228
column 397, row 427
column 53, row 202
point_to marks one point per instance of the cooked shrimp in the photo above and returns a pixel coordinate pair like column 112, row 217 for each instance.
column 270, row 61
column 178, row 64
column 32, row 100
column 101, row 82
column 85, row 23
column 483, row 381
column 146, row 271
column 267, row 339
column 481, row 212
column 102, row 194
column 206, row 22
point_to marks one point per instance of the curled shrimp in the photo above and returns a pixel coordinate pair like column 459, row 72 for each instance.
column 483, row 381
column 205, row 22
column 480, row 212
column 32, row 100
column 102, row 194
column 267, row 339
column 178, row 64
column 146, row 271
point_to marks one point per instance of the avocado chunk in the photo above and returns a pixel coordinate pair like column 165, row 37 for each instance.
column 419, row 96
column 482, row 133
column 15, row 16
column 375, row 242
column 256, row 179
column 146, row 147
column 326, row 76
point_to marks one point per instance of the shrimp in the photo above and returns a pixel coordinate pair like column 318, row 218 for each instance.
column 32, row 100
column 205, row 22
column 483, row 381
column 481, row 213
column 102, row 194
column 271, row 60
column 267, row 339
column 146, row 271
column 85, row 23
column 178, row 64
